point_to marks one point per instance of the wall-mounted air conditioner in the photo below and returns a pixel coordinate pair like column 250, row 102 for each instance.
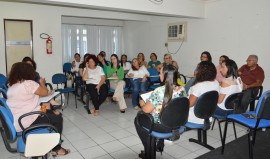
column 177, row 31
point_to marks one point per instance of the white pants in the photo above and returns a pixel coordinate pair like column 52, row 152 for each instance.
column 119, row 86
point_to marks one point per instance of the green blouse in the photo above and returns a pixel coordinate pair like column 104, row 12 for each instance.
column 111, row 70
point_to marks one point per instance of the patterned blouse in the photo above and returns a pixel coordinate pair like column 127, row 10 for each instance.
column 157, row 97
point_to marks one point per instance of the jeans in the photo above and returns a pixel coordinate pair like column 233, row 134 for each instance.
column 189, row 84
column 137, row 87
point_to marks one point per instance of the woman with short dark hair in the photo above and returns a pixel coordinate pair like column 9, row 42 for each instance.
column 205, row 81
column 154, row 62
column 95, row 83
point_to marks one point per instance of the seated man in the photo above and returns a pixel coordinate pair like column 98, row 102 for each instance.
column 251, row 73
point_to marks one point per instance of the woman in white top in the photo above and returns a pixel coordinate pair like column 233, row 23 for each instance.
column 205, row 81
column 95, row 83
column 126, row 65
column 76, row 63
column 139, row 80
column 229, row 85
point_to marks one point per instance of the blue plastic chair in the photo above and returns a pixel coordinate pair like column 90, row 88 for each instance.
column 252, row 120
column 67, row 68
column 59, row 79
column 3, row 81
column 231, row 102
column 9, row 133
column 204, row 109
column 154, row 81
column 3, row 92
column 173, row 116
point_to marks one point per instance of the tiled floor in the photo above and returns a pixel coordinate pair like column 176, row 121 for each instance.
column 112, row 135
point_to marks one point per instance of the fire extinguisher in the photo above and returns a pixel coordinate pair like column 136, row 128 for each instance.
column 49, row 45
column 48, row 42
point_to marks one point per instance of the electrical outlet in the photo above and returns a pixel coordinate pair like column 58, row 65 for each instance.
column 166, row 44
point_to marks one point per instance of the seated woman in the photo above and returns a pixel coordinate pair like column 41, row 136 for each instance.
column 167, row 61
column 95, row 83
column 205, row 81
column 154, row 62
column 117, row 72
column 52, row 104
column 138, row 82
column 102, row 61
column 219, row 76
column 229, row 85
column 141, row 59
column 126, row 65
column 23, row 97
column 154, row 103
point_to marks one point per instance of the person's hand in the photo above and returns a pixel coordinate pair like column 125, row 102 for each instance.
column 141, row 102
column 86, row 65
column 114, row 75
column 144, row 78
column 73, row 64
column 98, row 87
column 42, row 81
column 131, row 75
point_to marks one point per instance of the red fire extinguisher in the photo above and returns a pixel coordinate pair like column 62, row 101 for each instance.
column 49, row 45
column 48, row 42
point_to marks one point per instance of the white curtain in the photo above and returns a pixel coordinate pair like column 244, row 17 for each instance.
column 90, row 39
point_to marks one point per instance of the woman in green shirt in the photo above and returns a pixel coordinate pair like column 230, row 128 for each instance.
column 115, row 74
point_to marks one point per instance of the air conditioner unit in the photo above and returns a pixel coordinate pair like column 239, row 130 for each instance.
column 177, row 31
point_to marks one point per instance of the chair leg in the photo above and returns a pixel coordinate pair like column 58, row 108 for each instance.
column 220, row 132
column 202, row 141
column 87, row 104
column 224, row 137
column 234, row 130
column 68, row 98
column 213, row 124
column 250, row 146
column 76, row 100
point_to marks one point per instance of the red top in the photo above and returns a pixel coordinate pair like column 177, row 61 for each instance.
column 251, row 76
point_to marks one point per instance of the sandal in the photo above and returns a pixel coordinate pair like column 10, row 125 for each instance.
column 56, row 153
column 92, row 111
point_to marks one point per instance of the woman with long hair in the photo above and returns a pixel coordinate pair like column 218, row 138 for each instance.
column 230, row 84
column 138, row 78
column 219, row 76
column 116, row 74
column 159, row 98
column 125, row 64
column 23, row 97
column 141, row 59
column 205, row 81
column 102, row 61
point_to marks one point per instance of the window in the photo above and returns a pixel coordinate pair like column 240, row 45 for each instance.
column 90, row 39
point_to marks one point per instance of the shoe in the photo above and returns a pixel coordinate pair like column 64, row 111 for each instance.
column 122, row 111
column 92, row 111
column 96, row 113
column 136, row 107
column 160, row 146
column 56, row 153
column 142, row 155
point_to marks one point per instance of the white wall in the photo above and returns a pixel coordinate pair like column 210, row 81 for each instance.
column 236, row 28
column 47, row 19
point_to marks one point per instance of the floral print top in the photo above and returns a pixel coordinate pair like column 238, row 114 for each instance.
column 157, row 97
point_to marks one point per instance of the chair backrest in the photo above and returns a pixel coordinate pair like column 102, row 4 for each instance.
column 59, row 78
column 67, row 67
column 3, row 92
column 206, row 105
column 3, row 81
column 183, row 78
column 234, row 101
column 7, row 129
column 4, row 104
column 263, row 106
column 153, row 72
column 175, row 114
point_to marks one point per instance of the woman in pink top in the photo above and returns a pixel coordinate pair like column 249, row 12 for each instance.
column 219, row 76
column 23, row 97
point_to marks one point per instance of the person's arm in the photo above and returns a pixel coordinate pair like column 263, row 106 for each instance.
column 147, row 108
column 158, row 67
column 145, row 71
column 42, row 90
column 130, row 73
column 85, row 73
column 192, row 100
column 120, row 73
column 256, row 84
column 174, row 63
column 109, row 71
column 103, row 78
column 222, row 95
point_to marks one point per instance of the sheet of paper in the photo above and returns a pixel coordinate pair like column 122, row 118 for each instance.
column 48, row 98
column 145, row 96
